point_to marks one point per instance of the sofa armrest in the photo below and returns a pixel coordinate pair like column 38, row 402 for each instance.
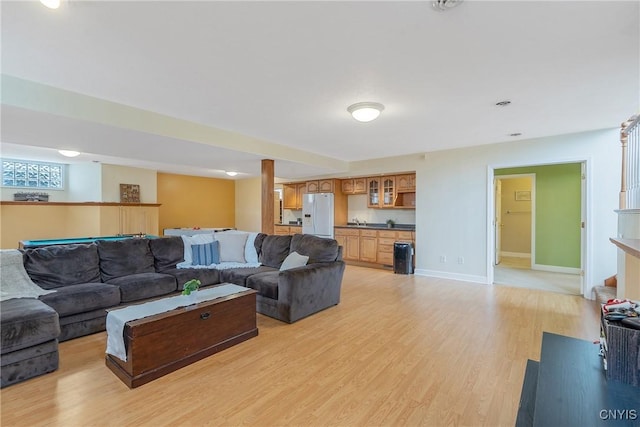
column 309, row 289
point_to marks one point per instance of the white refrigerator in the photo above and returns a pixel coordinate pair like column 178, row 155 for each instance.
column 317, row 214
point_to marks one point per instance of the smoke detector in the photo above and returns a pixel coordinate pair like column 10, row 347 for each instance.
column 441, row 5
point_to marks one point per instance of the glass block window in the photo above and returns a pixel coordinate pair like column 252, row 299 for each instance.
column 28, row 174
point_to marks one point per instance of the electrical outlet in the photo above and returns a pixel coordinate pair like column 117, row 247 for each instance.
column 443, row 258
column 460, row 260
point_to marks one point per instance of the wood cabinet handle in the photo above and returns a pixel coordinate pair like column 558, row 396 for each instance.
column 205, row 316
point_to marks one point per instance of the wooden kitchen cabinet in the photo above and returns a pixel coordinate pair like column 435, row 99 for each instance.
column 289, row 196
column 292, row 195
column 381, row 191
column 406, row 183
column 349, row 239
column 368, row 245
column 281, row 230
column 301, row 189
column 347, row 186
column 326, row 185
column 321, row 186
column 286, row 230
column 354, row 186
column 373, row 192
column 295, row 229
column 386, row 239
column 313, row 187
column 405, row 191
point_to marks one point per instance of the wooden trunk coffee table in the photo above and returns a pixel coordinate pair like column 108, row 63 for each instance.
column 164, row 342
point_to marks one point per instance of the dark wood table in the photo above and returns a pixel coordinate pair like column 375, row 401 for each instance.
column 568, row 387
column 162, row 343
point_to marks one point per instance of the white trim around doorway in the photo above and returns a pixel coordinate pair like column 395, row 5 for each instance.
column 586, row 241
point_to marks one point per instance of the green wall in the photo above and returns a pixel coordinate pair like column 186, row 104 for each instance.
column 557, row 212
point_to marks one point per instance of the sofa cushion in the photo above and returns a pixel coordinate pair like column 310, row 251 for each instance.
column 266, row 284
column 274, row 250
column 134, row 287
column 257, row 243
column 75, row 299
column 207, row 276
column 293, row 260
column 26, row 322
column 206, row 253
column 318, row 249
column 167, row 252
column 124, row 257
column 51, row 267
column 232, row 246
column 239, row 275
column 196, row 239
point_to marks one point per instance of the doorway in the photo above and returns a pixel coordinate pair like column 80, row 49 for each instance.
column 537, row 225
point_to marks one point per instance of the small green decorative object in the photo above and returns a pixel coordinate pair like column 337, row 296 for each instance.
column 190, row 286
column 390, row 223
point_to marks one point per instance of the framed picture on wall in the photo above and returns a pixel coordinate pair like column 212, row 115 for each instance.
column 522, row 196
column 129, row 193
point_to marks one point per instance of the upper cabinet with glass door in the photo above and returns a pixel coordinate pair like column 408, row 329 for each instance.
column 373, row 192
column 381, row 191
column 388, row 191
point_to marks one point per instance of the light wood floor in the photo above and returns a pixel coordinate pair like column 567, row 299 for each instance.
column 397, row 350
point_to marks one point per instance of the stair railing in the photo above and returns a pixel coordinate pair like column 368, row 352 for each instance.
column 630, row 182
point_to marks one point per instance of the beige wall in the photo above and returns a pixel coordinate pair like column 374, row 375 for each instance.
column 113, row 176
column 193, row 201
column 24, row 222
column 249, row 204
column 516, row 218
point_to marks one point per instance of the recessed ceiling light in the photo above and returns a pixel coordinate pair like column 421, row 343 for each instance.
column 231, row 173
column 503, row 103
column 365, row 111
column 445, row 4
column 51, row 4
column 69, row 153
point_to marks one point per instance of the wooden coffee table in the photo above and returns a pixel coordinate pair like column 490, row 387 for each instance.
column 162, row 343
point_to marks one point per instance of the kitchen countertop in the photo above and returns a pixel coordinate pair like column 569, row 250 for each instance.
column 374, row 226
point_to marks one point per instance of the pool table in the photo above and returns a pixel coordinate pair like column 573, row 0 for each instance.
column 30, row 244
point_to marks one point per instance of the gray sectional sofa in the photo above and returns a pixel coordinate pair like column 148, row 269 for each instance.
column 90, row 278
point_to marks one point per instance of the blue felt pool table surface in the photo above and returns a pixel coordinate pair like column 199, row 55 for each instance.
column 29, row 244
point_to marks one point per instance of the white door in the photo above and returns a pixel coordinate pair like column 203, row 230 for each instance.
column 497, row 222
column 583, row 222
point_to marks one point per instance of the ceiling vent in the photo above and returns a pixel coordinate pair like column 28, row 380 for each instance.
column 441, row 5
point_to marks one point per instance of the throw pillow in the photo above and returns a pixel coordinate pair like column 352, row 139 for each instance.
column 250, row 253
column 196, row 239
column 293, row 260
column 232, row 246
column 206, row 253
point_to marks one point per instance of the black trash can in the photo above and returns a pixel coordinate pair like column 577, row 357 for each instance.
column 403, row 258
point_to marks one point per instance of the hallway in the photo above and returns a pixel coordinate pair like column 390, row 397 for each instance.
column 516, row 272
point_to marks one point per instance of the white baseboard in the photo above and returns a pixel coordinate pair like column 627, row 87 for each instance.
column 515, row 254
column 555, row 269
column 453, row 276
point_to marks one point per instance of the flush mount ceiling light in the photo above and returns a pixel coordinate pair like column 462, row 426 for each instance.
column 51, row 4
column 69, row 153
column 231, row 173
column 365, row 111
column 442, row 5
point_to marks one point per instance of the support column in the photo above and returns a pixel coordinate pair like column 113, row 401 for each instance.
column 268, row 219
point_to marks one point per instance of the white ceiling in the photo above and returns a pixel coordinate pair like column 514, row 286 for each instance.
column 285, row 72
